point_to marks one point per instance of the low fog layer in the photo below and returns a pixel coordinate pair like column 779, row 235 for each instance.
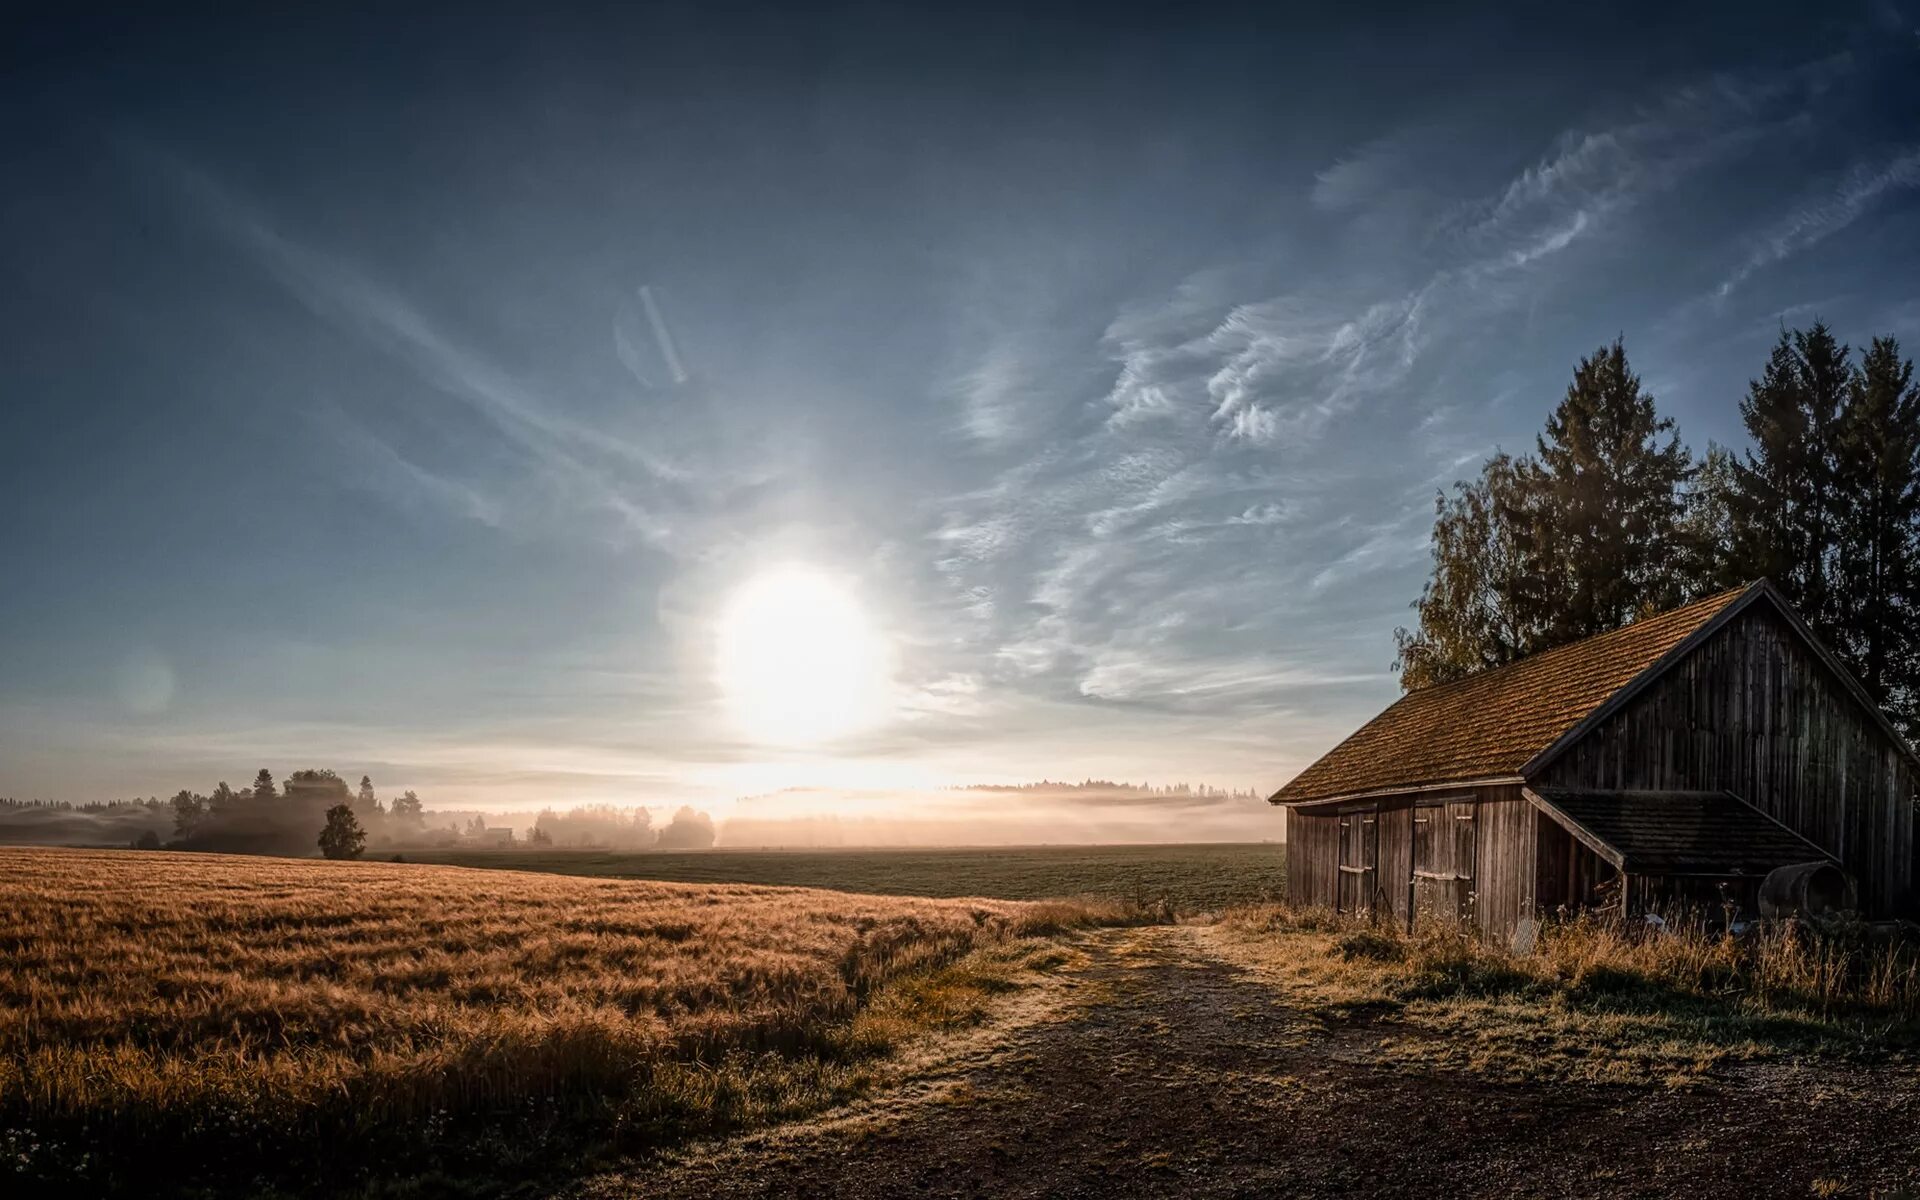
column 268, row 819
column 1032, row 814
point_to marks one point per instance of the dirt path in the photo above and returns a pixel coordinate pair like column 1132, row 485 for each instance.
column 1158, row 1069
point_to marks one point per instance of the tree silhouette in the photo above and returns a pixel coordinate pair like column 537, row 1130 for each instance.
column 188, row 811
column 407, row 808
column 342, row 836
column 263, row 789
column 1612, row 519
column 1876, row 567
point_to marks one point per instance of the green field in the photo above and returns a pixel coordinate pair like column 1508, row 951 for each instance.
column 1191, row 877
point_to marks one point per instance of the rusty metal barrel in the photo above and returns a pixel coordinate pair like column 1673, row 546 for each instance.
column 1812, row 889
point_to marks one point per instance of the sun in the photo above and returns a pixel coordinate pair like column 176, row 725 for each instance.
column 799, row 661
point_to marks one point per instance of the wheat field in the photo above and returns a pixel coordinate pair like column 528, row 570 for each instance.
column 229, row 1015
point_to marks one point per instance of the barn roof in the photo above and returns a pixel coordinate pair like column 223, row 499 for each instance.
column 1676, row 833
column 1490, row 725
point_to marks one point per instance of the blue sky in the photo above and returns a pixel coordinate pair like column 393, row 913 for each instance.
column 1109, row 360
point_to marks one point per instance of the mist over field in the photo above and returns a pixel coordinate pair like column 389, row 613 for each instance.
column 1044, row 813
column 1033, row 814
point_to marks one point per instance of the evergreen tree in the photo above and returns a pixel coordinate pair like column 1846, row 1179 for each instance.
column 263, row 790
column 1597, row 517
column 367, row 802
column 1786, row 498
column 1707, row 526
column 1875, row 572
column 342, row 836
column 223, row 798
column 1598, row 529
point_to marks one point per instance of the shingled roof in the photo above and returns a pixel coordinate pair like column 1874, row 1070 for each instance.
column 1677, row 833
column 1490, row 725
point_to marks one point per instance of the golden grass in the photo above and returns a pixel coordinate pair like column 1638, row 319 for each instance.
column 268, row 1015
column 1594, row 999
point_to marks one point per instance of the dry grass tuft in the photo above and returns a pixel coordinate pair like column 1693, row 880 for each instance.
column 1596, row 999
column 233, row 1018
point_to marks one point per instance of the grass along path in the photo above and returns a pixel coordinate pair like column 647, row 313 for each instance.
column 1167, row 1063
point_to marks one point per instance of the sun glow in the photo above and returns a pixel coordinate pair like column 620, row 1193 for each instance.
column 799, row 662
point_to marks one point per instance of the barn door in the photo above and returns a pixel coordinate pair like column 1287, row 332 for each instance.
column 1359, row 860
column 1444, row 846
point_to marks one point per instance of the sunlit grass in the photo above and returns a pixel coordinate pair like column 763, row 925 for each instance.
column 1594, row 999
column 222, row 1017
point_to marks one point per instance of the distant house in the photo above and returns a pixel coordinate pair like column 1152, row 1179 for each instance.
column 1681, row 758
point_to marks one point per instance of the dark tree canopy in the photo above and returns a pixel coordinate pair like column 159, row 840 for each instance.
column 342, row 836
column 1786, row 498
column 1468, row 619
column 1611, row 519
column 1597, row 513
column 1581, row 537
column 1876, row 551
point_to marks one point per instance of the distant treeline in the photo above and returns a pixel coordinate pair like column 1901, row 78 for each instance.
column 267, row 818
column 1110, row 787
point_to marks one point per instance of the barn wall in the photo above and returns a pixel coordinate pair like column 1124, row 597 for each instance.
column 1396, row 862
column 1756, row 712
column 1485, row 838
column 1313, row 857
column 1504, row 867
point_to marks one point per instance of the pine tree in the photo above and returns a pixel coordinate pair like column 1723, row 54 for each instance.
column 1707, row 527
column 1597, row 516
column 1606, row 524
column 366, row 801
column 263, row 790
column 1875, row 571
column 1786, row 499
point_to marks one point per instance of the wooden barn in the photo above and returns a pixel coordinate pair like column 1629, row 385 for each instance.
column 1681, row 758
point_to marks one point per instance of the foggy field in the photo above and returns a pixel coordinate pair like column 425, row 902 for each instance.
column 1192, row 877
column 168, row 1019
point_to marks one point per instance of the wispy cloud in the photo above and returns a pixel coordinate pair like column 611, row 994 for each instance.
column 1827, row 213
column 1264, row 470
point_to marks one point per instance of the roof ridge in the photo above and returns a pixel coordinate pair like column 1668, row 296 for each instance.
column 1496, row 721
column 1562, row 648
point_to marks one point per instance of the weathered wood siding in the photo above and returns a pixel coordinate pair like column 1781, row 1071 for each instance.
column 1507, row 841
column 1444, row 848
column 1313, row 858
column 1395, row 896
column 1756, row 712
column 1446, row 854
